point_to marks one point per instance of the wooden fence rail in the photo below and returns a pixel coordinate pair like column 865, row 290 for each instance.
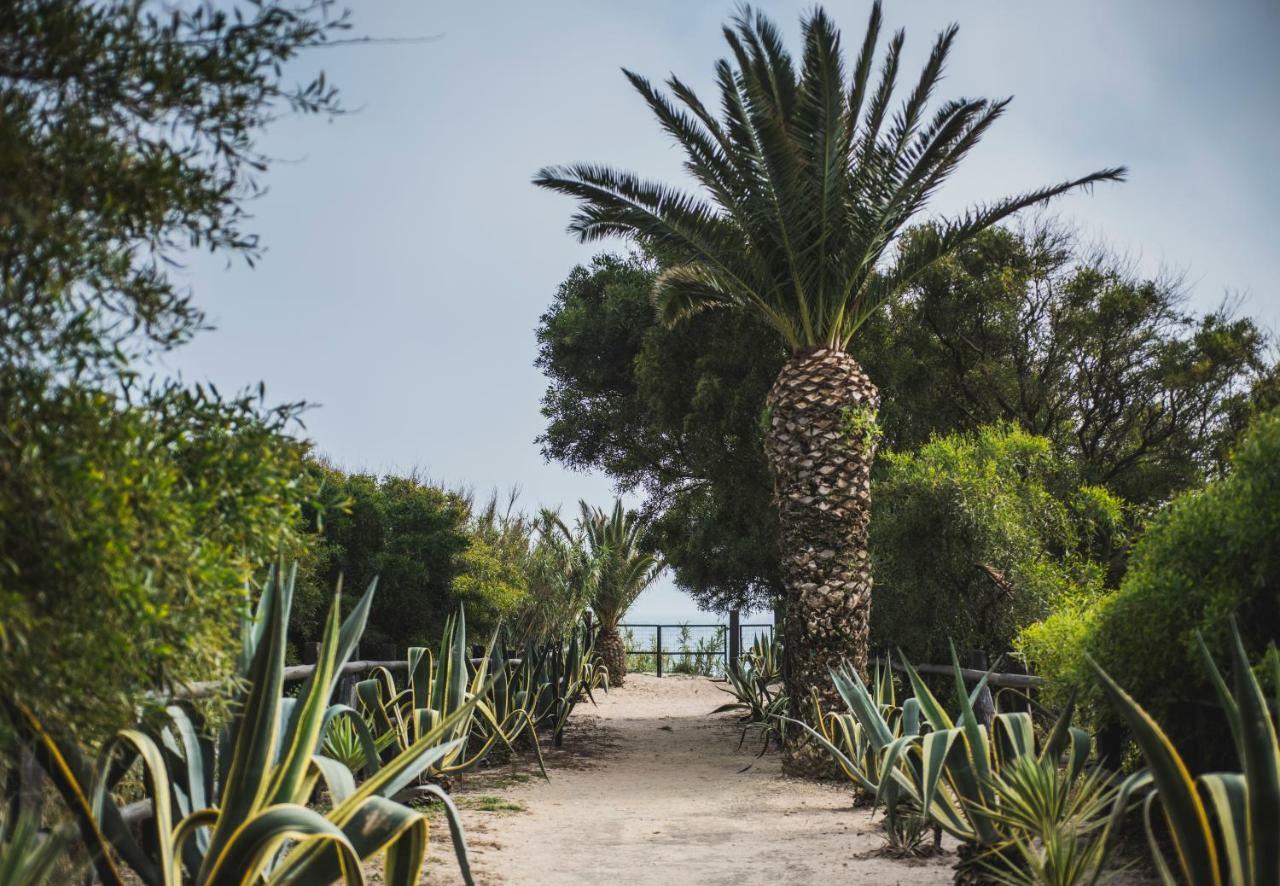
column 973, row 675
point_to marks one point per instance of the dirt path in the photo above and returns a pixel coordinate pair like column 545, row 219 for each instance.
column 648, row 790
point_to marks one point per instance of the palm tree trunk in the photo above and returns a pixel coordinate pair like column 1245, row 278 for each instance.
column 613, row 654
column 821, row 443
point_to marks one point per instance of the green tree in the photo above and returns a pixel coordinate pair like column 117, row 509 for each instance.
column 410, row 534
column 620, row 571
column 673, row 412
column 805, row 193
column 1010, row 536
column 129, row 535
column 1025, row 326
column 127, row 137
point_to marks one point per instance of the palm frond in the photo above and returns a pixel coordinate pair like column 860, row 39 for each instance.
column 807, row 181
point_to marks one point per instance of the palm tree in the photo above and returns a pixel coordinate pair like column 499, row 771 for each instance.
column 621, row 571
column 806, row 180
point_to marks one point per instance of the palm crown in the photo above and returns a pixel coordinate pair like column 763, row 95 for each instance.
column 622, row 569
column 807, row 181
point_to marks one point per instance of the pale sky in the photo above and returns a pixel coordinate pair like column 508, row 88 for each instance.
column 409, row 257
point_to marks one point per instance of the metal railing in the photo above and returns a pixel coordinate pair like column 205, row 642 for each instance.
column 702, row 649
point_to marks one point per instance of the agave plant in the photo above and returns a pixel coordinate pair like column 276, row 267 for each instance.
column 871, row 722
column 1224, row 827
column 558, row 675
column 27, row 856
column 1057, row 824
column 235, row 810
column 757, row 695
column 439, row 688
column 345, row 742
column 957, row 771
column 766, row 657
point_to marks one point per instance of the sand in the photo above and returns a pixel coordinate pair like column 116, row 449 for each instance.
column 649, row 789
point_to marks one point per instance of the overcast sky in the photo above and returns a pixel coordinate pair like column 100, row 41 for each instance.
column 409, row 257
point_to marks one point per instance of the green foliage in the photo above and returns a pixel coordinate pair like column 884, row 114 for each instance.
column 559, row 579
column 1029, row 326
column 129, row 532
column 1209, row 554
column 128, row 136
column 411, row 534
column 622, row 569
column 1007, row 534
column 130, row 513
column 234, row 809
column 860, row 425
column 1221, row 825
column 29, row 857
column 494, row 569
column 673, row 412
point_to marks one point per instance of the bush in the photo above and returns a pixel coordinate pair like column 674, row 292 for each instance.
column 129, row 532
column 1209, row 554
column 975, row 536
column 408, row 533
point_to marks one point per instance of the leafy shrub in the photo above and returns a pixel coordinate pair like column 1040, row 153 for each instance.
column 1209, row 554
column 1244, row 805
column 129, row 530
column 974, row 536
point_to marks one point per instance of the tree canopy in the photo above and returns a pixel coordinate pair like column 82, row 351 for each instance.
column 1021, row 325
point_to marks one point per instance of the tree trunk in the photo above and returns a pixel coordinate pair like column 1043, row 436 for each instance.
column 613, row 653
column 821, row 442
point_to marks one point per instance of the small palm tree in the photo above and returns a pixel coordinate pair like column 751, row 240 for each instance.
column 807, row 180
column 621, row 571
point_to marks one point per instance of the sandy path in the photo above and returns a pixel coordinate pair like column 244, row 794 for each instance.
column 648, row 791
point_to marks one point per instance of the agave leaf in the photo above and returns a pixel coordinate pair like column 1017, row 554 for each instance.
column 71, row 777
column 1059, row 735
column 1261, row 762
column 254, row 844
column 933, row 712
column 1186, row 815
column 337, row 778
column 376, row 824
column 847, row 764
column 855, row 694
column 889, row 762
column 156, row 777
column 935, row 749
column 254, row 729
column 1229, row 707
column 1228, row 793
column 305, row 719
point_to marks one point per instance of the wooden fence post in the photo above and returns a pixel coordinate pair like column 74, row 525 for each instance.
column 734, row 649
column 657, row 655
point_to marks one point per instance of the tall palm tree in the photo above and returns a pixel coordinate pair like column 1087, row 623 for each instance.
column 807, row 180
column 621, row 571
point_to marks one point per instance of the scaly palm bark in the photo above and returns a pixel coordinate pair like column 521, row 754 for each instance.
column 821, row 443
column 612, row 653
column 807, row 182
